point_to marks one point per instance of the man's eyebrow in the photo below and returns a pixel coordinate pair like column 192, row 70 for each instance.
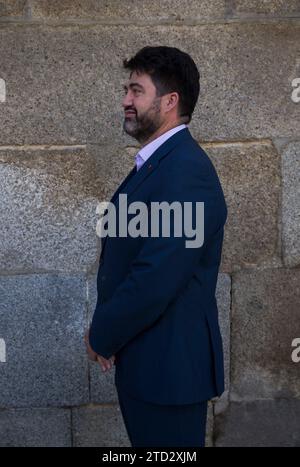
column 131, row 85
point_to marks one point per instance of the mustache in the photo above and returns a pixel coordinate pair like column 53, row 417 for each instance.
column 129, row 109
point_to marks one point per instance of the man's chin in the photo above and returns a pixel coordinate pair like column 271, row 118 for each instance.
column 129, row 128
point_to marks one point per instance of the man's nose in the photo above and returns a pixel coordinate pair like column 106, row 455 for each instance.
column 127, row 100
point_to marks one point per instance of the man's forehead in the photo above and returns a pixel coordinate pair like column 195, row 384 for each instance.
column 139, row 78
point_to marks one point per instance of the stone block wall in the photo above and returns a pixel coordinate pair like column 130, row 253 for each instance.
column 62, row 150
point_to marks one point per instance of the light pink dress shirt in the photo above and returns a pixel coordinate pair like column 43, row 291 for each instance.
column 149, row 149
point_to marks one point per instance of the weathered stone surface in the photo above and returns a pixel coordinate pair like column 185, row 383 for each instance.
column 12, row 8
column 112, row 165
column 99, row 426
column 35, row 428
column 263, row 423
column 102, row 385
column 291, row 204
column 42, row 319
column 265, row 322
column 135, row 10
column 209, row 426
column 250, row 177
column 65, row 87
column 223, row 301
column 48, row 206
column 267, row 7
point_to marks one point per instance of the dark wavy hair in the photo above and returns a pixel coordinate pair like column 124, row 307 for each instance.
column 171, row 70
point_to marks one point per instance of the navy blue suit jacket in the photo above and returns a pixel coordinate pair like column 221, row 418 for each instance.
column 156, row 309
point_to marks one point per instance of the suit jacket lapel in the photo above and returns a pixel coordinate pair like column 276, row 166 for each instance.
column 135, row 178
column 152, row 163
column 127, row 178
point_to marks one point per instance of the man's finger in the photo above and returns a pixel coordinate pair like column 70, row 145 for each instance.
column 108, row 364
column 101, row 362
column 105, row 363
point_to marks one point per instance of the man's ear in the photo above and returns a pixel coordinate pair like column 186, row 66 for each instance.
column 171, row 101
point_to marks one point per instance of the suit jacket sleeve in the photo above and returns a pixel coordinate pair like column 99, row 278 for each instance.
column 163, row 266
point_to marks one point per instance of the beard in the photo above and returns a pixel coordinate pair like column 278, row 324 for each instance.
column 141, row 127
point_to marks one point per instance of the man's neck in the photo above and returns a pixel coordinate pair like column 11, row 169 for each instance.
column 163, row 129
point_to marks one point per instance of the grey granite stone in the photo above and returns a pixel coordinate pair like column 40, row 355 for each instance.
column 133, row 11
column 267, row 8
column 48, row 208
column 223, row 295
column 12, row 8
column 250, row 177
column 66, row 83
column 99, row 427
column 42, row 318
column 291, row 204
column 209, row 426
column 265, row 321
column 35, row 427
column 261, row 423
column 102, row 384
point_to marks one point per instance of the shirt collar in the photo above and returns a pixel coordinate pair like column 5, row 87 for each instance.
column 151, row 147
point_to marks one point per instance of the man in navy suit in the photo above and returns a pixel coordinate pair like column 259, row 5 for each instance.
column 156, row 317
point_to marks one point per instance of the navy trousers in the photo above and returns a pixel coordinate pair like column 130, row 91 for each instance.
column 149, row 424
